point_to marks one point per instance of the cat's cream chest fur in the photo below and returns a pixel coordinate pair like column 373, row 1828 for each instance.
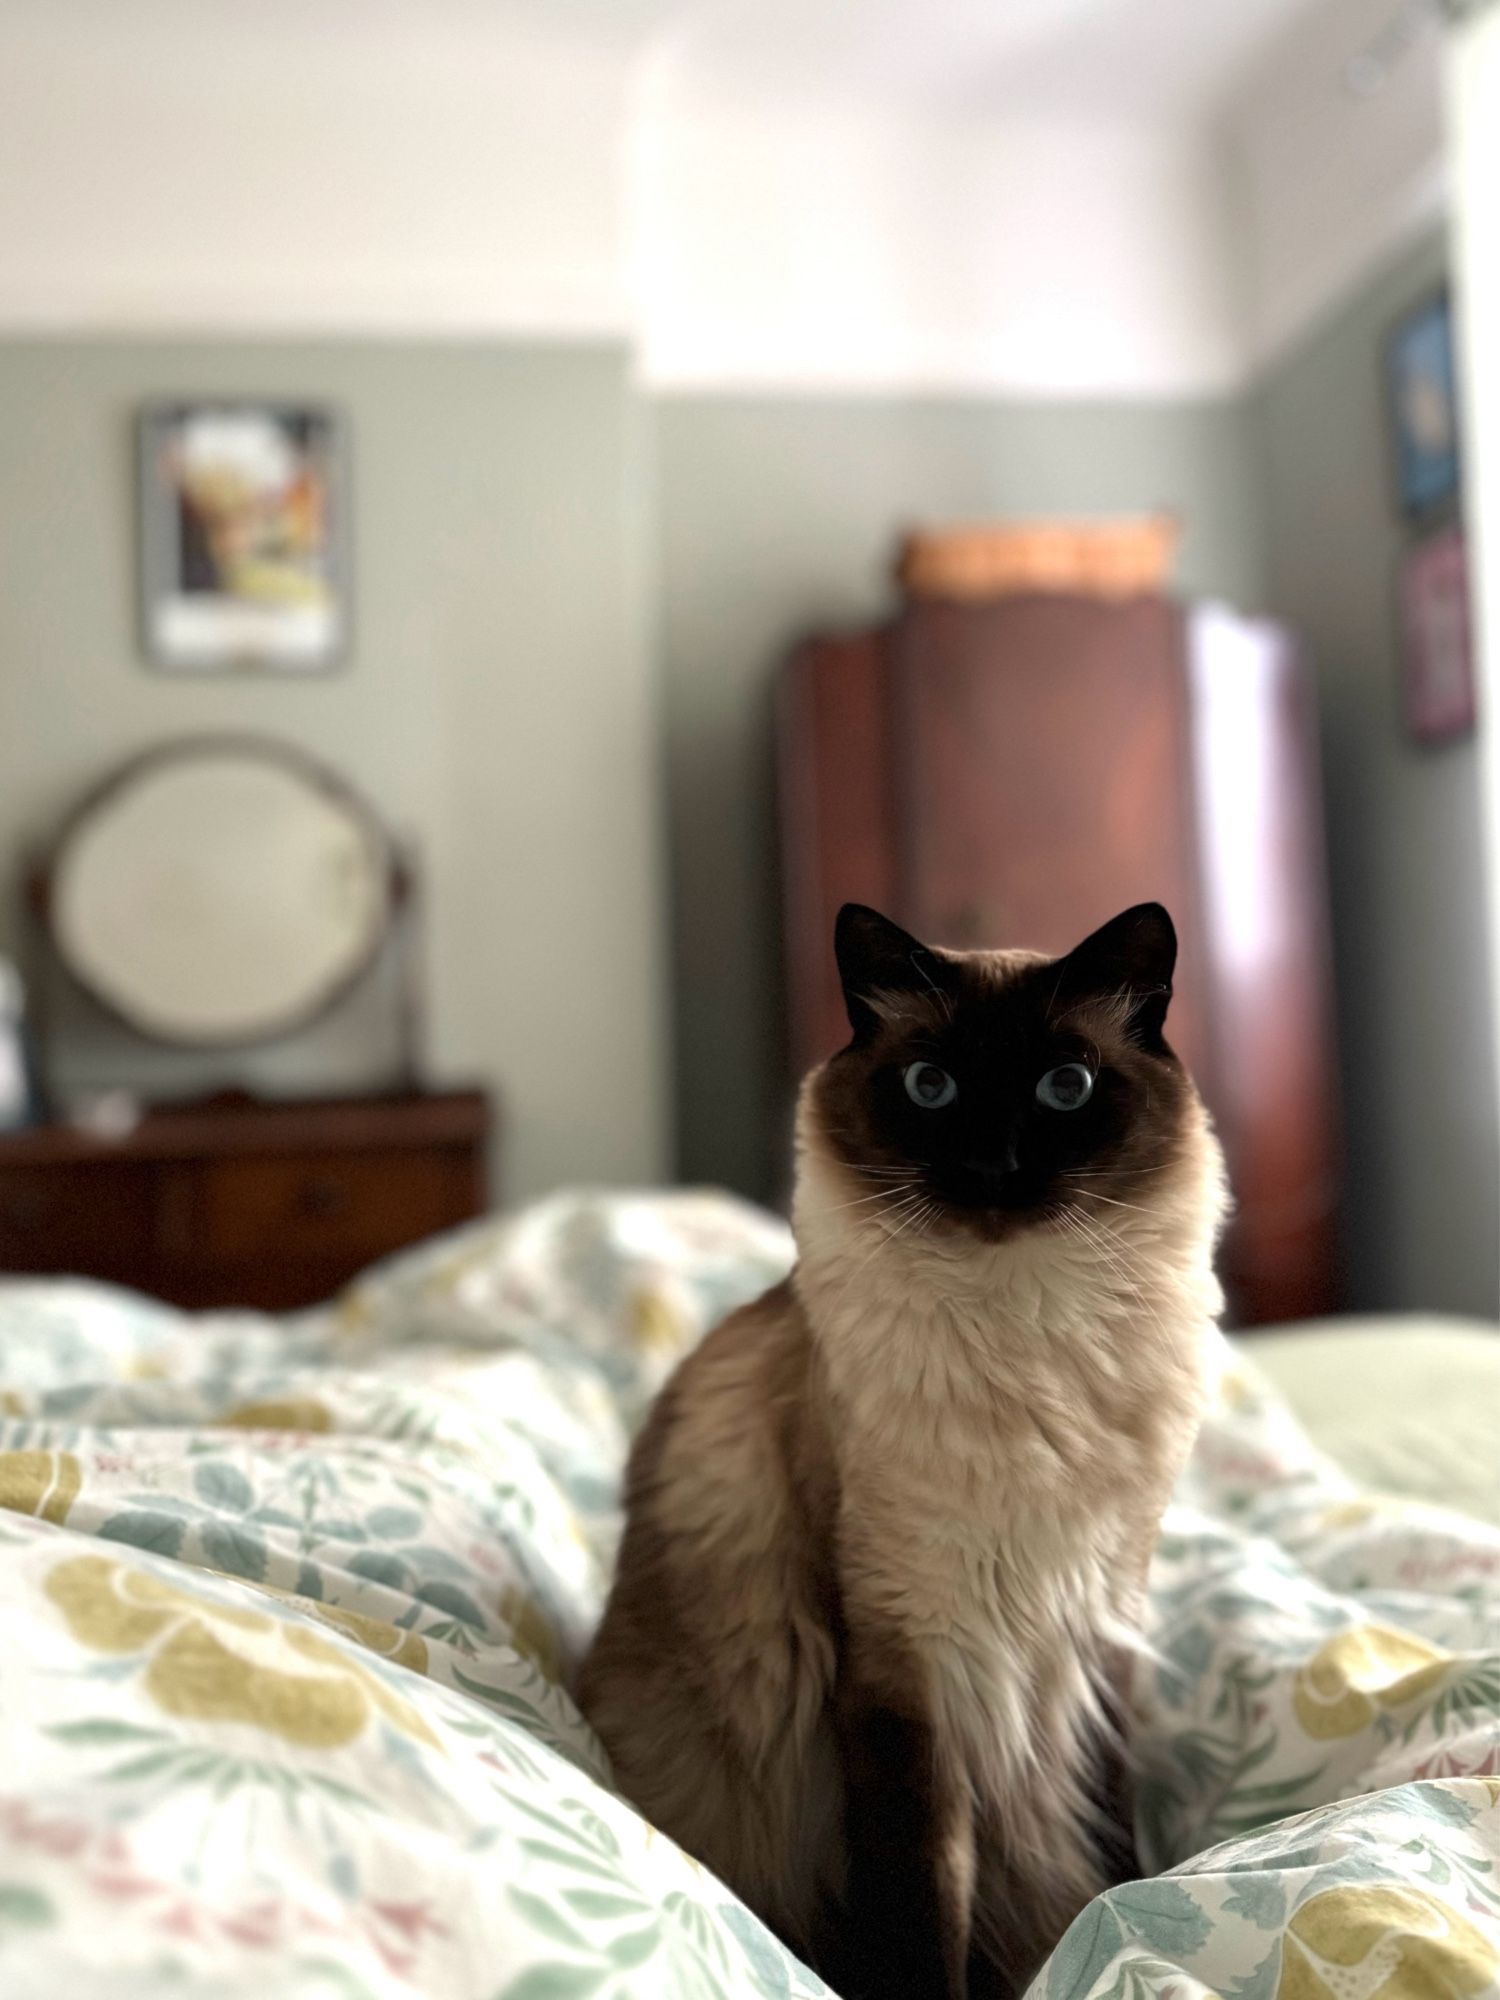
column 1007, row 1420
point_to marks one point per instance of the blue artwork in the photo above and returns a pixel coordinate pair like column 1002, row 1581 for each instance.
column 1424, row 408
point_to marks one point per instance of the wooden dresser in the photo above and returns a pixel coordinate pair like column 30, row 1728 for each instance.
column 240, row 1201
column 1015, row 773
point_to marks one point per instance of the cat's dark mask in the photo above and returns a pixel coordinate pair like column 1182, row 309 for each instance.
column 998, row 1084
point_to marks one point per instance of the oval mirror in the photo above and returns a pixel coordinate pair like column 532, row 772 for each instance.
column 220, row 891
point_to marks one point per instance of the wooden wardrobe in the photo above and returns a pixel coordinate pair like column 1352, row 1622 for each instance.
column 1013, row 773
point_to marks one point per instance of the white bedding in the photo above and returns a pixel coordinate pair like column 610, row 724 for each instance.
column 288, row 1610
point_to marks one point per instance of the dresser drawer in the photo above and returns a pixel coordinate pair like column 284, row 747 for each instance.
column 81, row 1218
column 320, row 1206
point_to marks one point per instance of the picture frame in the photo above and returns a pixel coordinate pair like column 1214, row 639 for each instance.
column 1437, row 664
column 1421, row 388
column 244, row 531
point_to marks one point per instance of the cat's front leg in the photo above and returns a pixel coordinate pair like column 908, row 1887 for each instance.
column 910, row 1844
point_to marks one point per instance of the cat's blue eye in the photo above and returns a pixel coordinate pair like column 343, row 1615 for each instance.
column 1066, row 1088
column 929, row 1086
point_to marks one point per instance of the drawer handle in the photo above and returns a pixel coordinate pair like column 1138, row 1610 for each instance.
column 322, row 1195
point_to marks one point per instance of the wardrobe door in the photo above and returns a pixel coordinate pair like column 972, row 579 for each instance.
column 838, row 830
column 1272, row 1080
column 1044, row 767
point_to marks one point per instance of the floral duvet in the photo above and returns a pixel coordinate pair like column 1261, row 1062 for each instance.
column 287, row 1610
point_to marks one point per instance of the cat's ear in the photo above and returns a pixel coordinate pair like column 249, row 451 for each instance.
column 1129, row 960
column 876, row 956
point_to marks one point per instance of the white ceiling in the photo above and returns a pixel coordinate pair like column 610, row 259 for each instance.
column 1128, row 59
column 1124, row 59
column 1059, row 197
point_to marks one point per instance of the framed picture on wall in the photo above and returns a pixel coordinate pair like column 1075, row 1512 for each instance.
column 243, row 537
column 1421, row 383
column 1438, row 695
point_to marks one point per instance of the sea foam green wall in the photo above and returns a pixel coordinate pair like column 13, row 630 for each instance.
column 1404, row 826
column 497, row 705
column 778, row 516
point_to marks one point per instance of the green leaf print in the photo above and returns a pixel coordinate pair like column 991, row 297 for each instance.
column 223, row 1485
column 769, row 1966
column 151, row 1765
column 628, row 1949
column 24, row 1909
column 1184, row 1661
column 547, row 1919
column 145, row 1530
column 555, row 1982
column 237, row 1550
column 100, row 1730
column 1470, row 1688
column 1166, row 1914
column 598, row 1904
column 319, row 1977
column 1259, row 1982
column 1246, row 1808
column 698, row 1924
column 341, row 1531
column 432, row 1562
column 1260, row 1899
column 457, row 1603
column 569, row 1857
column 394, row 1524
column 1086, row 1947
column 375, row 1566
column 1437, row 1801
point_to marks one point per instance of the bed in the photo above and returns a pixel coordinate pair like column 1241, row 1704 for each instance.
column 288, row 1609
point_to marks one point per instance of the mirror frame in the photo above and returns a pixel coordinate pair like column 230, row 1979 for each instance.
column 394, row 887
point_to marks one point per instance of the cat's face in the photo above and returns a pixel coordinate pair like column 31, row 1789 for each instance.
column 986, row 1092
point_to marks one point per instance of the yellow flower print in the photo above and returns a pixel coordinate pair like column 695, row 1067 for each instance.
column 293, row 1413
column 1235, row 1390
column 1336, row 1693
column 217, row 1663
column 390, row 1642
column 656, row 1327
column 353, row 1315
column 43, row 1483
column 530, row 1633
column 12, row 1404
column 1375, row 1941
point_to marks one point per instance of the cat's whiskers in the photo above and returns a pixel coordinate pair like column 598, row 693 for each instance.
column 885, row 1237
column 1110, row 1201
column 1127, row 1273
column 1119, row 1279
column 1093, row 1235
column 892, row 1234
column 1104, row 1240
column 881, row 1194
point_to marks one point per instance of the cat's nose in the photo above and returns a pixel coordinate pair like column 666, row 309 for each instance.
column 996, row 1166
